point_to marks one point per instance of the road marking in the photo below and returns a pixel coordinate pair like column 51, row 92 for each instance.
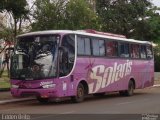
column 15, row 100
column 69, row 112
column 132, row 102
column 125, row 103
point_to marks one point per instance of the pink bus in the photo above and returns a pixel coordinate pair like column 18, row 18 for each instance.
column 56, row 64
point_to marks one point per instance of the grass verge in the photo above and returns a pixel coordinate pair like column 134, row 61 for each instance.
column 4, row 81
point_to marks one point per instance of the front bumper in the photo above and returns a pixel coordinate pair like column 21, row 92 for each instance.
column 44, row 93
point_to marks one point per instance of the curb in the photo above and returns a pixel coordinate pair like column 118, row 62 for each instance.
column 16, row 100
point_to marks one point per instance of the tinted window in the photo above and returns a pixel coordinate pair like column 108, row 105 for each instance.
column 83, row 46
column 68, row 55
column 143, row 51
column 135, row 51
column 149, row 51
column 124, row 50
column 112, row 48
column 98, row 47
column 87, row 46
column 80, row 44
column 35, row 57
column 101, row 48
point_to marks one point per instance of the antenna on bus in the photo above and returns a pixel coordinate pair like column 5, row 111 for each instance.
column 103, row 33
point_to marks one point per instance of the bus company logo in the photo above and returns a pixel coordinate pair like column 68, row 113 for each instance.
column 46, row 83
column 105, row 76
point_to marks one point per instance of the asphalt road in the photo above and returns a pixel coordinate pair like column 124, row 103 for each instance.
column 143, row 102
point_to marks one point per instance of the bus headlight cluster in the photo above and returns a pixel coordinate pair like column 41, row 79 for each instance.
column 49, row 86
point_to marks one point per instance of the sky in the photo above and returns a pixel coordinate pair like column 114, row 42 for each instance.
column 156, row 2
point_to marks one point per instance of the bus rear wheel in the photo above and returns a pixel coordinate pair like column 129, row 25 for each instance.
column 130, row 90
column 80, row 94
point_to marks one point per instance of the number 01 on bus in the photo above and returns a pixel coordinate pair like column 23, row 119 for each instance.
column 63, row 63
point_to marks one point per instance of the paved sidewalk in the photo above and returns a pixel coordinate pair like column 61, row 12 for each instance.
column 6, row 97
column 156, row 82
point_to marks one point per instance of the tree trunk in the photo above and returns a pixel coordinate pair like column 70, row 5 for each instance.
column 3, row 49
column 20, row 24
column 15, row 27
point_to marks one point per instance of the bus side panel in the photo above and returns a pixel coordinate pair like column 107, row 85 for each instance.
column 146, row 73
column 104, row 75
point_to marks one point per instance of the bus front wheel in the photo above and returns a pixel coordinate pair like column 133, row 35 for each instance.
column 131, row 87
column 80, row 94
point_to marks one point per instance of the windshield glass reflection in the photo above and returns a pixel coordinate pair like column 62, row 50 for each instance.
column 35, row 57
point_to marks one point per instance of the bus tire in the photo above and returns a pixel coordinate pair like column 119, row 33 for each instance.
column 42, row 100
column 130, row 90
column 80, row 94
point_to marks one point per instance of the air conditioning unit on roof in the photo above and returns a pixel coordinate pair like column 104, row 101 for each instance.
column 103, row 33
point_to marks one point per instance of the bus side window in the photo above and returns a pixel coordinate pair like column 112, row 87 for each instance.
column 143, row 52
column 149, row 51
column 98, row 47
column 84, row 47
column 68, row 56
column 124, row 50
column 135, row 51
column 112, row 48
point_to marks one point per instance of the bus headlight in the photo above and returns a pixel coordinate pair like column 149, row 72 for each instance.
column 14, row 86
column 49, row 86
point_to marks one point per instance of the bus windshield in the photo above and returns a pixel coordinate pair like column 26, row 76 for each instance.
column 35, row 57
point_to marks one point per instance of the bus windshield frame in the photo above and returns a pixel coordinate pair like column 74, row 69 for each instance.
column 35, row 57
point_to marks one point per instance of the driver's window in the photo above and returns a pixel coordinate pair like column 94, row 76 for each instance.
column 68, row 54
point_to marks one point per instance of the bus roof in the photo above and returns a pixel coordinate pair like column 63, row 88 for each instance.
column 88, row 32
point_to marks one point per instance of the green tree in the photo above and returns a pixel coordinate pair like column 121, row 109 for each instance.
column 80, row 15
column 17, row 10
column 157, row 56
column 123, row 16
column 154, row 34
column 154, row 24
column 48, row 15
column 62, row 14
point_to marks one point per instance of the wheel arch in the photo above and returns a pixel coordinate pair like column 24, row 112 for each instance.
column 85, row 85
column 134, row 82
